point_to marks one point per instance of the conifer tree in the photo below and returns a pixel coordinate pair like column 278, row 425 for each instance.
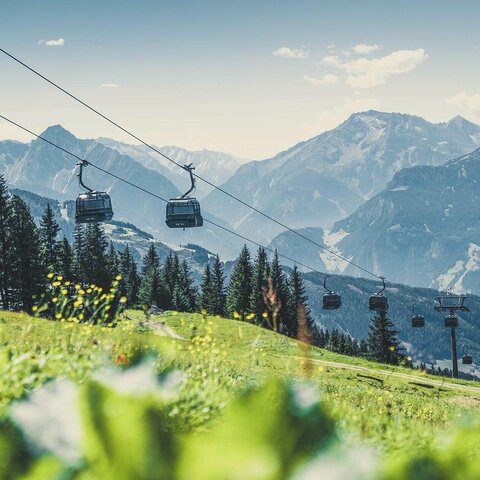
column 28, row 277
column 112, row 261
column 218, row 283
column 65, row 259
column 148, row 292
column 261, row 272
column 298, row 300
column 383, row 344
column 240, row 287
column 171, row 272
column 78, row 265
column 49, row 229
column 131, row 282
column 150, row 260
column 6, row 252
column 280, row 286
column 94, row 256
column 184, row 294
column 207, row 297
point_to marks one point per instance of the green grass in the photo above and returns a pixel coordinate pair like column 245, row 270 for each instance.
column 222, row 358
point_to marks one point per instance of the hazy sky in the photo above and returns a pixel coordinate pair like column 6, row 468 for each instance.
column 246, row 77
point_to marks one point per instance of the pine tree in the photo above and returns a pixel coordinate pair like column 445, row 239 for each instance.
column 298, row 302
column 171, row 272
column 240, row 287
column 148, row 292
column 65, row 259
column 6, row 251
column 207, row 296
column 184, row 294
column 261, row 272
column 218, row 283
column 112, row 261
column 78, row 265
column 383, row 344
column 280, row 286
column 49, row 244
column 94, row 257
column 28, row 272
column 150, row 260
column 131, row 282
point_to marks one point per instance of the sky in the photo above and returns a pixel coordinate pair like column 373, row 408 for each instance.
column 250, row 77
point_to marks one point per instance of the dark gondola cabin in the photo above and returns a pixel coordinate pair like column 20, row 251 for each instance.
column 451, row 321
column 183, row 213
column 418, row 321
column 378, row 303
column 332, row 301
column 467, row 360
column 93, row 207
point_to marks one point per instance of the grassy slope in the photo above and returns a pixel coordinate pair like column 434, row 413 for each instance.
column 393, row 408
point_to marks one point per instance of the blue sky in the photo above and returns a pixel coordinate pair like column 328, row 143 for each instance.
column 247, row 77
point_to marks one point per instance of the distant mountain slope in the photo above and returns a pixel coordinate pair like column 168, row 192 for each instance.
column 43, row 169
column 217, row 167
column 423, row 229
column 324, row 179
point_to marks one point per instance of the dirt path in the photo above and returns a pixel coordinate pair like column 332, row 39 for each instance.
column 160, row 328
column 385, row 373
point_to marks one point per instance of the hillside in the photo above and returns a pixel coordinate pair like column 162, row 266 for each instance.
column 324, row 179
column 423, row 229
column 394, row 410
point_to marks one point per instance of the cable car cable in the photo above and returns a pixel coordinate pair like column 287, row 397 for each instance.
column 269, row 217
column 211, row 222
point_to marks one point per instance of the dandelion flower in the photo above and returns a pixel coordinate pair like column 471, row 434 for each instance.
column 236, row 315
column 56, row 283
column 89, row 290
column 264, row 314
column 64, row 291
column 77, row 287
column 81, row 291
column 250, row 316
column 409, row 359
column 67, row 283
column 54, row 299
column 123, row 299
column 60, row 277
column 203, row 311
column 118, row 277
column 392, row 348
column 50, row 275
column 34, row 308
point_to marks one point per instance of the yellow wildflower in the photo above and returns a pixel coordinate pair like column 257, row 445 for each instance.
column 236, row 315
column 60, row 277
column 54, row 299
column 264, row 314
column 118, row 277
column 250, row 316
column 64, row 291
column 81, row 291
column 123, row 299
column 58, row 316
column 34, row 308
column 56, row 284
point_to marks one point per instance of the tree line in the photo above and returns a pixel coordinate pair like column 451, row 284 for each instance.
column 259, row 291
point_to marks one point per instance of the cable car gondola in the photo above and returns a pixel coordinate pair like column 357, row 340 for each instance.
column 418, row 321
column 184, row 212
column 378, row 302
column 91, row 206
column 331, row 300
column 466, row 358
column 451, row 321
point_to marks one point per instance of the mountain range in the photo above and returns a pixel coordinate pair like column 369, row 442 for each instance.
column 325, row 179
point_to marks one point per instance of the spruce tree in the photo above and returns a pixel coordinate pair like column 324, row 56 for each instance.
column 218, row 284
column 28, row 276
column 280, row 286
column 131, row 282
column 383, row 344
column 298, row 302
column 184, row 294
column 148, row 292
column 261, row 272
column 6, row 251
column 170, row 273
column 49, row 229
column 65, row 259
column 207, row 296
column 150, row 260
column 78, row 265
column 112, row 261
column 240, row 287
column 94, row 256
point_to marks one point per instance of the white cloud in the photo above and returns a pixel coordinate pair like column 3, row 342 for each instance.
column 331, row 118
column 368, row 73
column 470, row 102
column 110, row 85
column 327, row 79
column 364, row 49
column 287, row 52
column 53, row 43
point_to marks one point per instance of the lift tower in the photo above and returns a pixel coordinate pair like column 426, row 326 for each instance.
column 452, row 304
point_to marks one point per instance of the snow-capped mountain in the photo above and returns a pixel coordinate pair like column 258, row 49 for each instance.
column 324, row 179
column 423, row 229
column 43, row 169
column 217, row 167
